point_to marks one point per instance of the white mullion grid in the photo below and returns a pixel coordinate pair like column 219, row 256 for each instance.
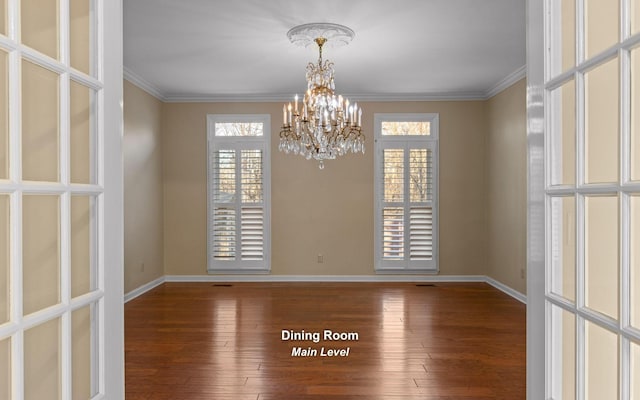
column 16, row 188
column 97, row 26
column 594, row 189
column 625, row 19
column 93, row 140
column 93, row 38
column 15, row 212
column 16, row 277
column 625, row 117
column 581, row 123
column 63, row 25
column 594, row 61
column 580, row 357
column 65, row 294
column 98, row 57
column 594, row 317
column 13, row 18
column 552, row 33
column 552, row 358
column 7, row 44
column 84, row 79
column 580, row 156
column 580, row 32
column 625, row 367
column 50, row 313
column 624, row 203
column 51, row 188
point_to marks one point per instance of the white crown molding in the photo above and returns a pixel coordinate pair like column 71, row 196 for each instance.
column 232, row 98
column 142, row 84
column 279, row 97
column 506, row 82
column 227, row 98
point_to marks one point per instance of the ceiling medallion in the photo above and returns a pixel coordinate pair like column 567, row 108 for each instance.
column 325, row 125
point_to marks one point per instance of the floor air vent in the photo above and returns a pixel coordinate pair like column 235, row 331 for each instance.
column 425, row 284
column 222, row 284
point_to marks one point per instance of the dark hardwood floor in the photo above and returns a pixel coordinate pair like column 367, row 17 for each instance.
column 204, row 341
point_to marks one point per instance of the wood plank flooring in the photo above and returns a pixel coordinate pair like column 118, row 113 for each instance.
column 449, row 341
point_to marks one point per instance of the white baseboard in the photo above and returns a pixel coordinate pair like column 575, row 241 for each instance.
column 326, row 278
column 144, row 289
column 506, row 289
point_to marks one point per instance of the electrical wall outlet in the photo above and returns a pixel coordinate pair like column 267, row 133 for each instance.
column 522, row 273
column 320, row 258
column 141, row 267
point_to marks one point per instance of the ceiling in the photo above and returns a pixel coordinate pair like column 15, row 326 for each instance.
column 183, row 50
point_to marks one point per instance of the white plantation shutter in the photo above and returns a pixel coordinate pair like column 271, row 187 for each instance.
column 406, row 197
column 238, row 194
column 421, row 233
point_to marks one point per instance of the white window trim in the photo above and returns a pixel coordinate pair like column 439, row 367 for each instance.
column 246, row 142
column 381, row 142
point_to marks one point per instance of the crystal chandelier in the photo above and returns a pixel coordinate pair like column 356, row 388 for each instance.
column 325, row 125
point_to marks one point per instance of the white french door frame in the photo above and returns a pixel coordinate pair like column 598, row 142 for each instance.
column 105, row 299
column 536, row 360
column 543, row 362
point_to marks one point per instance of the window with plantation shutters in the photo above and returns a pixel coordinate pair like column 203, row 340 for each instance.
column 406, row 165
column 238, row 198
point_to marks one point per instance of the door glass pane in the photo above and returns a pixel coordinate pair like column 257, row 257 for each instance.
column 563, row 131
column 5, row 369
column 4, row 117
column 563, row 247
column 82, row 339
column 563, row 40
column 393, row 175
column 634, row 245
column 419, row 175
column 635, row 114
column 39, row 23
column 239, row 129
column 4, row 259
column 81, row 133
column 635, row 16
column 40, row 252
column 635, row 371
column 601, row 258
column 3, row 17
column 563, row 354
column 602, row 19
column 39, row 123
column 601, row 363
column 82, row 276
column 42, row 361
column 80, row 34
column 223, row 167
column 602, row 123
column 251, row 176
column 404, row 128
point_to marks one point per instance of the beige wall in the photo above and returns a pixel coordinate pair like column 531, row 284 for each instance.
column 507, row 186
column 143, row 200
column 328, row 212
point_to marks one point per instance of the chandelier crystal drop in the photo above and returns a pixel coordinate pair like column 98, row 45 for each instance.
column 325, row 125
